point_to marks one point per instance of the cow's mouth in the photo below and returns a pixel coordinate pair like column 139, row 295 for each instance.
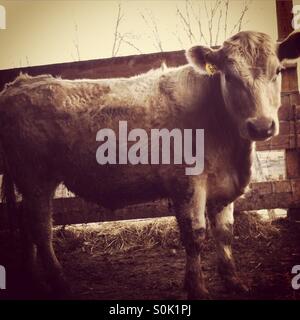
column 260, row 130
column 260, row 137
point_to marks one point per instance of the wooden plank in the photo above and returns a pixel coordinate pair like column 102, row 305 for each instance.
column 125, row 66
column 292, row 160
column 284, row 18
column 293, row 164
column 280, row 142
column 289, row 80
column 288, row 127
column 289, row 83
column 261, row 195
column 289, row 112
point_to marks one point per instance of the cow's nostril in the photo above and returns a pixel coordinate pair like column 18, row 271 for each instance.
column 252, row 129
column 259, row 129
column 271, row 129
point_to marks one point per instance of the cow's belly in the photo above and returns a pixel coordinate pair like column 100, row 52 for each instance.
column 116, row 186
column 224, row 188
column 221, row 185
column 227, row 175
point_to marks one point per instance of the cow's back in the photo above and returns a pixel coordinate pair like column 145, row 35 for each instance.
column 48, row 128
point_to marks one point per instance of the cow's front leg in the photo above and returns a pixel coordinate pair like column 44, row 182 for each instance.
column 190, row 213
column 222, row 229
column 39, row 206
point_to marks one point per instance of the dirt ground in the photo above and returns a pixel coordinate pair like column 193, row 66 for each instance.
column 144, row 260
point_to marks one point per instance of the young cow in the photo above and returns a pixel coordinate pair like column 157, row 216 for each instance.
column 48, row 129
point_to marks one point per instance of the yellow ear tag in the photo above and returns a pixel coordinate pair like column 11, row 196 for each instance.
column 210, row 69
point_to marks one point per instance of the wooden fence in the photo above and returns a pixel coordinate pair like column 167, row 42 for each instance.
column 262, row 195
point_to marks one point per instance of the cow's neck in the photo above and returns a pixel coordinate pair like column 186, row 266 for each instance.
column 221, row 132
column 200, row 100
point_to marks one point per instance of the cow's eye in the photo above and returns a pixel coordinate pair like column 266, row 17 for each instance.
column 228, row 77
column 278, row 71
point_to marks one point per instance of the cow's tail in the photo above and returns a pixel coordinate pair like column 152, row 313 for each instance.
column 8, row 195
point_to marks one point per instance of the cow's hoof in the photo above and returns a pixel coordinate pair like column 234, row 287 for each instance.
column 60, row 288
column 198, row 294
column 236, row 285
column 203, row 295
column 63, row 292
column 195, row 287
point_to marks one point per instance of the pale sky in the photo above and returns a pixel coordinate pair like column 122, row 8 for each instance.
column 45, row 32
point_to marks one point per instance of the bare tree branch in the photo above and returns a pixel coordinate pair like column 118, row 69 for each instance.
column 121, row 38
column 76, row 42
column 238, row 25
column 177, row 36
column 116, row 41
column 210, row 18
column 198, row 19
column 218, row 27
column 226, row 18
column 208, row 21
column 152, row 25
column 131, row 45
column 185, row 21
column 214, row 12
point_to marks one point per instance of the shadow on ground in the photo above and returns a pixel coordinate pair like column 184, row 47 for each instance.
column 144, row 260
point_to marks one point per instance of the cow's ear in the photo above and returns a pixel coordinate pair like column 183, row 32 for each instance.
column 289, row 48
column 203, row 59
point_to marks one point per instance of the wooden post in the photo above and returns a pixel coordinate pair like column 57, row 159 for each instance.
column 284, row 18
column 292, row 156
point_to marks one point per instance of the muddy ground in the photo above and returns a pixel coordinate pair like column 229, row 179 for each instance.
column 144, row 260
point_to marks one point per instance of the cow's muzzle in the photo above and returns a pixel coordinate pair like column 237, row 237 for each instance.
column 261, row 128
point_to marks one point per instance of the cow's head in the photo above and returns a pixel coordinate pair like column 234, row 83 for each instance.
column 249, row 64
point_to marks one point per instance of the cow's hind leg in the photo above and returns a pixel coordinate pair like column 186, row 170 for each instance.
column 29, row 263
column 39, row 204
column 190, row 213
column 222, row 229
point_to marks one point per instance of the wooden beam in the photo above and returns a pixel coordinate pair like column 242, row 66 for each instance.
column 289, row 80
column 261, row 195
column 281, row 142
column 290, row 83
column 284, row 18
column 125, row 66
